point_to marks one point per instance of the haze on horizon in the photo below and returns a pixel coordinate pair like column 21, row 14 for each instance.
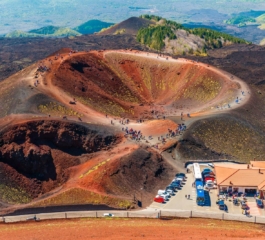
column 31, row 14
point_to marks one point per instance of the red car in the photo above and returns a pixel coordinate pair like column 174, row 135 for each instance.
column 159, row 199
column 209, row 178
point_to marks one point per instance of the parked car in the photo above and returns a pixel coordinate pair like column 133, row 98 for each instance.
column 209, row 185
column 209, row 178
column 159, row 199
column 170, row 191
column 211, row 165
column 221, row 204
column 209, row 181
column 108, row 215
column 206, row 170
column 222, row 207
column 177, row 181
column 171, row 188
column 163, row 192
column 180, row 179
column 165, row 196
column 209, row 174
column 175, row 185
column 259, row 203
column 181, row 175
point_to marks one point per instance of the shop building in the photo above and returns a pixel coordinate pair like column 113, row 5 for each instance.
column 244, row 178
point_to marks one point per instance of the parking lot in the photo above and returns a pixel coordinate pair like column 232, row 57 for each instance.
column 181, row 202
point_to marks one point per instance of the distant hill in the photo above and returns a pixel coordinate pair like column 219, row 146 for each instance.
column 261, row 21
column 129, row 26
column 240, row 21
column 248, row 18
column 55, row 31
column 49, row 31
column 92, row 26
column 20, row 34
column 174, row 38
column 89, row 27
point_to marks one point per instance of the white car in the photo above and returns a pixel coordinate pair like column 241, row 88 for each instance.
column 165, row 196
column 171, row 192
column 210, row 181
column 161, row 192
column 108, row 215
column 209, row 185
column 179, row 179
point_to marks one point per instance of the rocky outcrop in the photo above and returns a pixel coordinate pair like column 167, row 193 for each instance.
column 38, row 154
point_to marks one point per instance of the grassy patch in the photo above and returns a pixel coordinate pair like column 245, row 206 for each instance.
column 13, row 195
column 232, row 137
column 94, row 168
column 82, row 196
column 57, row 109
column 204, row 89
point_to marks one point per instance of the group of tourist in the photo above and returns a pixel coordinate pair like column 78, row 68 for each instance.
column 134, row 135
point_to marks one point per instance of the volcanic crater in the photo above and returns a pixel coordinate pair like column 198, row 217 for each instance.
column 68, row 147
column 132, row 85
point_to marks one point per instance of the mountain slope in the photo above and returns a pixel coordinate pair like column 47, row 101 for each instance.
column 55, row 31
column 174, row 38
column 49, row 31
column 92, row 26
column 129, row 26
column 89, row 27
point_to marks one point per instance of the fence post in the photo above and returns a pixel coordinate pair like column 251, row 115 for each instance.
column 223, row 216
column 96, row 214
column 255, row 220
column 191, row 213
column 127, row 214
column 66, row 215
column 159, row 214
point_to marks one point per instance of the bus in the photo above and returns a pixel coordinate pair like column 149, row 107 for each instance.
column 197, row 171
column 200, row 198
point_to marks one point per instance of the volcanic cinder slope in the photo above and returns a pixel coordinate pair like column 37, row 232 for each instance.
column 61, row 139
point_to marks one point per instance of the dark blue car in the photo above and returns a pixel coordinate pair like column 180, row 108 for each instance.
column 259, row 203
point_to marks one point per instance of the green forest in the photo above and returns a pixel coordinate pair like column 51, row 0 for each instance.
column 155, row 34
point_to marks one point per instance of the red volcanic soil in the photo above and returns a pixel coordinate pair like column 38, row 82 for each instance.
column 126, row 84
column 72, row 161
column 36, row 156
column 134, row 229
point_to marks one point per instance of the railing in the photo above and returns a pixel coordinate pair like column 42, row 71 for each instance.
column 135, row 214
column 187, row 162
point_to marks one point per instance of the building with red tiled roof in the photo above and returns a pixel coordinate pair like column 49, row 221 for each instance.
column 246, row 178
